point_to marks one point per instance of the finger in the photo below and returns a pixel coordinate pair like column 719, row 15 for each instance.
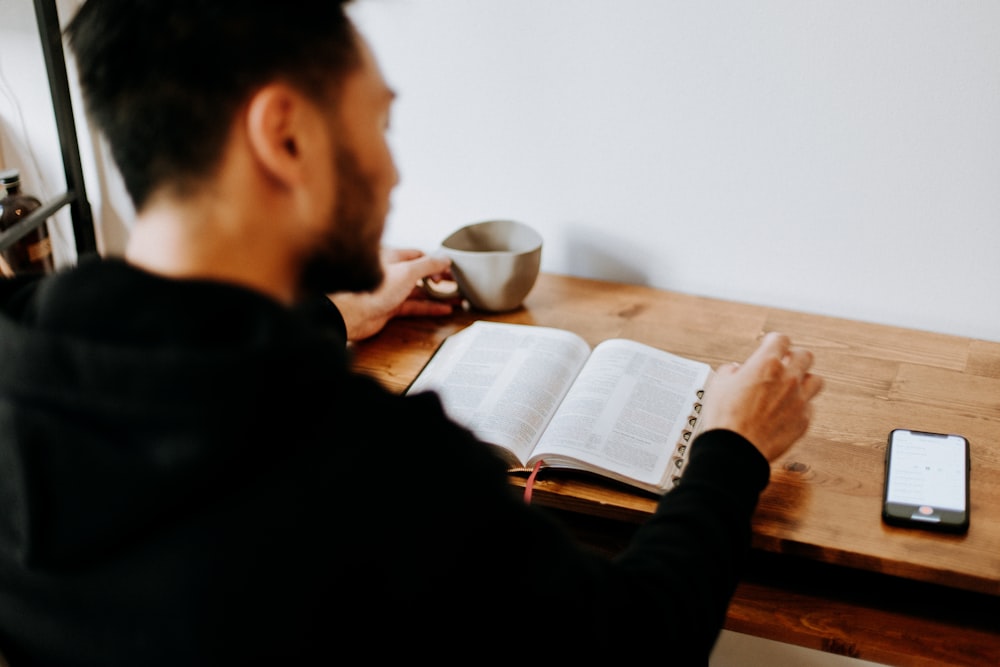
column 811, row 385
column 393, row 255
column 428, row 265
column 774, row 346
column 424, row 308
column 799, row 360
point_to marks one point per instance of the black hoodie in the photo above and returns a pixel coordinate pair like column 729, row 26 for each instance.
column 191, row 475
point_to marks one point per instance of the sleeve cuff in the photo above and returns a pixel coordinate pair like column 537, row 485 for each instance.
column 320, row 312
column 732, row 456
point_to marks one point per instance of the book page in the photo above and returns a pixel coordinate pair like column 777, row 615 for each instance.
column 504, row 381
column 627, row 411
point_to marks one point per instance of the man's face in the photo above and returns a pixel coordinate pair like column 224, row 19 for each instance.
column 347, row 257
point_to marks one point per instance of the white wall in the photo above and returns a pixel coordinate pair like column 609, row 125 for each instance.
column 831, row 156
column 834, row 156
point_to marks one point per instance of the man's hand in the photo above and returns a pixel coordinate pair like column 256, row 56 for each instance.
column 768, row 398
column 365, row 313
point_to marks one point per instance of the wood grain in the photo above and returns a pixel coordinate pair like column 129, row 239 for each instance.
column 824, row 499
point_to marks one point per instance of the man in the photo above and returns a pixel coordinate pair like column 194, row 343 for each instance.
column 191, row 475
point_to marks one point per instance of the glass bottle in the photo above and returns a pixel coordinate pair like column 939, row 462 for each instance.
column 32, row 253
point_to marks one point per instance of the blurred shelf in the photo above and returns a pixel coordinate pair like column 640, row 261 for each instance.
column 75, row 196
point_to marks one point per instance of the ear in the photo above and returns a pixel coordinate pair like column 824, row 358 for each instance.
column 276, row 126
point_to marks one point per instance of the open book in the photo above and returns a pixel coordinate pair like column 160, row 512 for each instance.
column 541, row 396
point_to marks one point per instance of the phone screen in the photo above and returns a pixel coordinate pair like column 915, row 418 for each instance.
column 927, row 479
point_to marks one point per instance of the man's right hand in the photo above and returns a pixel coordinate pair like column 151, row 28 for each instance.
column 766, row 399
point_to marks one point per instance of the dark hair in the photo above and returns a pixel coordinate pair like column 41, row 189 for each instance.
column 163, row 79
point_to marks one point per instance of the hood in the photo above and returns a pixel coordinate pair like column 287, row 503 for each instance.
column 126, row 398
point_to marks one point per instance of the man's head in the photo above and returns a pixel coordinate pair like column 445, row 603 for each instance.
column 168, row 84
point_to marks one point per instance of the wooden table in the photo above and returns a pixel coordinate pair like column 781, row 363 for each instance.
column 826, row 573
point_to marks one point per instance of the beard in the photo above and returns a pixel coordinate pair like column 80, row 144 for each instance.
column 347, row 258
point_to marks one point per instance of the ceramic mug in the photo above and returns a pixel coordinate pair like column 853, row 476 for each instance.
column 495, row 264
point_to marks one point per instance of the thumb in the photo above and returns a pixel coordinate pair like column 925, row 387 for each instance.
column 429, row 265
column 728, row 369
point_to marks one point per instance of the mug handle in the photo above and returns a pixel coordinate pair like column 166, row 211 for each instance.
column 432, row 290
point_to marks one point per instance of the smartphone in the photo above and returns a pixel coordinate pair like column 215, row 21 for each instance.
column 927, row 481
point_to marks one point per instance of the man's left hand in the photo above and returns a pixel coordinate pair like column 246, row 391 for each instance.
column 365, row 313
